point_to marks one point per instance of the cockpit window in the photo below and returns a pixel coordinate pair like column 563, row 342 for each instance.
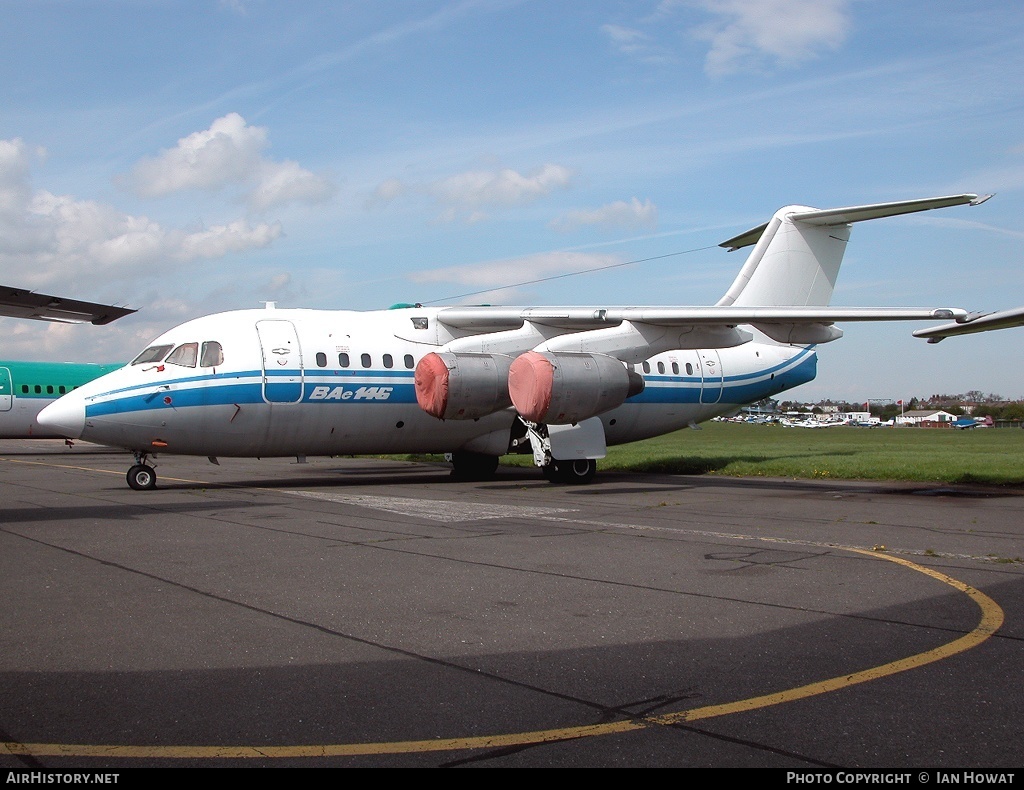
column 185, row 355
column 213, row 354
column 152, row 354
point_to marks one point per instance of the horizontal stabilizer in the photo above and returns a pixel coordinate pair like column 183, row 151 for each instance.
column 845, row 216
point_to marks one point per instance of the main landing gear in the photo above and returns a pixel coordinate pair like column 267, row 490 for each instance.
column 571, row 471
column 142, row 476
column 575, row 472
column 475, row 467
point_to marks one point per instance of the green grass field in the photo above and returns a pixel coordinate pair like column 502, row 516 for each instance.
column 993, row 456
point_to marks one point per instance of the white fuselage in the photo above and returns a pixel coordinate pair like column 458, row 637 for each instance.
column 312, row 382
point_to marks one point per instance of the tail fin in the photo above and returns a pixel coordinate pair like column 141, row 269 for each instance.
column 797, row 254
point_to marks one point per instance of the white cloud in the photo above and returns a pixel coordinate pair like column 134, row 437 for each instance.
column 14, row 172
column 506, row 187
column 220, row 240
column 469, row 195
column 226, row 153
column 635, row 44
column 750, row 32
column 229, row 153
column 286, row 182
column 620, row 214
column 58, row 241
column 386, row 192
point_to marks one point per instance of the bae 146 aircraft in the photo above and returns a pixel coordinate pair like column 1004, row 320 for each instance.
column 27, row 387
column 476, row 383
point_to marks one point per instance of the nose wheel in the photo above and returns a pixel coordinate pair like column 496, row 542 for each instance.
column 142, row 477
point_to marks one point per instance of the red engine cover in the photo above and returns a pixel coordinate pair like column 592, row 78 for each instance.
column 562, row 388
column 462, row 386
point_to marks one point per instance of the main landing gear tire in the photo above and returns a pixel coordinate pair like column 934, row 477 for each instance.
column 469, row 466
column 575, row 472
column 142, row 477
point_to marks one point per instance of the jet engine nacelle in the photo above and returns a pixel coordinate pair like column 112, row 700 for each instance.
column 562, row 388
column 462, row 386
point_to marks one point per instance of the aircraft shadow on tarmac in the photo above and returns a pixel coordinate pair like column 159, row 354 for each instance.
column 112, row 511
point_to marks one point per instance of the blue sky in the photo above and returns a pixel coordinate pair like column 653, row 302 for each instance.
column 187, row 157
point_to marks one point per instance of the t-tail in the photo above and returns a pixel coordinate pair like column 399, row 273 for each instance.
column 797, row 254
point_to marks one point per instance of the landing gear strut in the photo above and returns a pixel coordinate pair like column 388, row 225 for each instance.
column 572, row 471
column 142, row 476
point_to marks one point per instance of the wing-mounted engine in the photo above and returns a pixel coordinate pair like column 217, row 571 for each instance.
column 462, row 386
column 560, row 388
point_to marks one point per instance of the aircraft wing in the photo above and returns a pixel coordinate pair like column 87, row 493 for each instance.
column 974, row 322
column 635, row 333
column 19, row 303
column 484, row 319
column 497, row 319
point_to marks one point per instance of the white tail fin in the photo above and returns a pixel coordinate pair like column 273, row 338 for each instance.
column 797, row 255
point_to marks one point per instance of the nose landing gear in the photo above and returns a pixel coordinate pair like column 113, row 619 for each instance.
column 142, row 476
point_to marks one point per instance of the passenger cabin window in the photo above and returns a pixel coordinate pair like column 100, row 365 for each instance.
column 186, row 355
column 389, row 362
column 409, row 361
column 213, row 354
column 343, row 359
column 321, row 359
column 661, row 367
column 152, row 354
column 689, row 369
column 675, row 368
column 365, row 360
column 647, row 367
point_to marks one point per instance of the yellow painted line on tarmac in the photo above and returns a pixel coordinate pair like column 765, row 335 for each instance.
column 94, row 469
column 991, row 620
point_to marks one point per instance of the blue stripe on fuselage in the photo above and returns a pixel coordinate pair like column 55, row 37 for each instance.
column 366, row 386
column 367, row 390
column 743, row 388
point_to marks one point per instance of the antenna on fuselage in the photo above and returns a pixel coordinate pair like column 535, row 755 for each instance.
column 270, row 305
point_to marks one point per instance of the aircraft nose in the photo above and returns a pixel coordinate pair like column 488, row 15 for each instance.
column 65, row 415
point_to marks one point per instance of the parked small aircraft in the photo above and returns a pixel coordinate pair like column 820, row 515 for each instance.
column 476, row 383
column 27, row 387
